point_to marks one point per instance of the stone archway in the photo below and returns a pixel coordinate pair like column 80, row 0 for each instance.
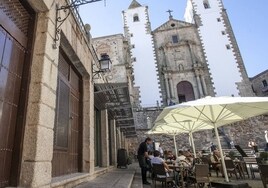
column 185, row 91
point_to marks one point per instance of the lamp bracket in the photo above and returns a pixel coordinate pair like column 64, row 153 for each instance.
column 66, row 9
column 96, row 73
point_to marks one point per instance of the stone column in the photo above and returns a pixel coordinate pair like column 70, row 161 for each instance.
column 204, row 85
column 37, row 153
column 88, row 133
column 113, row 142
column 198, row 82
column 92, row 132
column 122, row 140
column 171, row 87
column 167, row 88
column 119, row 140
column 104, row 139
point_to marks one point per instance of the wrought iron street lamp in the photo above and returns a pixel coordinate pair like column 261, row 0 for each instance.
column 105, row 65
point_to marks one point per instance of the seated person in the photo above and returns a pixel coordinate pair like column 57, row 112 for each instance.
column 189, row 156
column 158, row 160
column 170, row 156
column 216, row 160
column 182, row 160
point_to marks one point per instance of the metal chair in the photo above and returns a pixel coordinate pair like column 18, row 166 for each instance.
column 264, row 174
column 160, row 174
column 253, row 165
column 231, row 168
column 202, row 174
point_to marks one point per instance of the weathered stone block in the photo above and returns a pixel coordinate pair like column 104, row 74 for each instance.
column 36, row 174
column 40, row 93
column 44, row 71
column 41, row 114
column 38, row 144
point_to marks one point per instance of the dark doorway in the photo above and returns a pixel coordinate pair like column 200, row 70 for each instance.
column 185, row 91
column 68, row 122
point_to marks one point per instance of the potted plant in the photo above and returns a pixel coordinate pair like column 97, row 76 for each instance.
column 264, row 157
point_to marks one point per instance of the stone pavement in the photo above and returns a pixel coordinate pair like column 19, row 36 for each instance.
column 115, row 178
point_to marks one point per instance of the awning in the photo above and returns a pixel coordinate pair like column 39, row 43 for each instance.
column 116, row 99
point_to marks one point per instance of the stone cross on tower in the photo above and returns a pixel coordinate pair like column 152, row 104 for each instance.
column 170, row 15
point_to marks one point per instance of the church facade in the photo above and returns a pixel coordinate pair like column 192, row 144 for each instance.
column 183, row 72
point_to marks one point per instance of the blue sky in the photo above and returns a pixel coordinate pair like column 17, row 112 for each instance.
column 247, row 17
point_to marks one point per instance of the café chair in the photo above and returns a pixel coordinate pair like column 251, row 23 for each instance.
column 202, row 174
column 212, row 166
column 231, row 168
column 160, row 174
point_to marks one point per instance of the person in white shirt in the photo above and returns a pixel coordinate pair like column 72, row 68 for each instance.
column 158, row 160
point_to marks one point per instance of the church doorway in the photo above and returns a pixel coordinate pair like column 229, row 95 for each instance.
column 185, row 91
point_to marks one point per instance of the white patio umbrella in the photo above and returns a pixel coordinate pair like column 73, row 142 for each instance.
column 216, row 112
column 177, row 128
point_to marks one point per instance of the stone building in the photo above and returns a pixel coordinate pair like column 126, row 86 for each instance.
column 118, row 49
column 260, row 84
column 183, row 71
column 218, row 40
column 55, row 127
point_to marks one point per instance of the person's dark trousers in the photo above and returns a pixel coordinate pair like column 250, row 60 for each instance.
column 143, row 166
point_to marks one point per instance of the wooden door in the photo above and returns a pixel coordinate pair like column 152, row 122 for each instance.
column 68, row 129
column 12, row 56
column 17, row 21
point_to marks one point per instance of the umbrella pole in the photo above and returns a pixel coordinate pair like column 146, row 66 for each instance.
column 175, row 145
column 192, row 142
column 221, row 153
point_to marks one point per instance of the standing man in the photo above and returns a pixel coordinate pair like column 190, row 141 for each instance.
column 142, row 157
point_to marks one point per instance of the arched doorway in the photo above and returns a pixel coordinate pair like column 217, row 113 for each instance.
column 185, row 91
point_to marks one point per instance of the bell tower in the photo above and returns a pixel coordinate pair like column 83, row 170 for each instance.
column 222, row 53
column 138, row 32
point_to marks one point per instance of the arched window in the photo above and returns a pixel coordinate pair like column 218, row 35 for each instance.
column 185, row 91
column 206, row 4
column 136, row 18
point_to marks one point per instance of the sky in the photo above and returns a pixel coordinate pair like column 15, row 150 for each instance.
column 248, row 19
